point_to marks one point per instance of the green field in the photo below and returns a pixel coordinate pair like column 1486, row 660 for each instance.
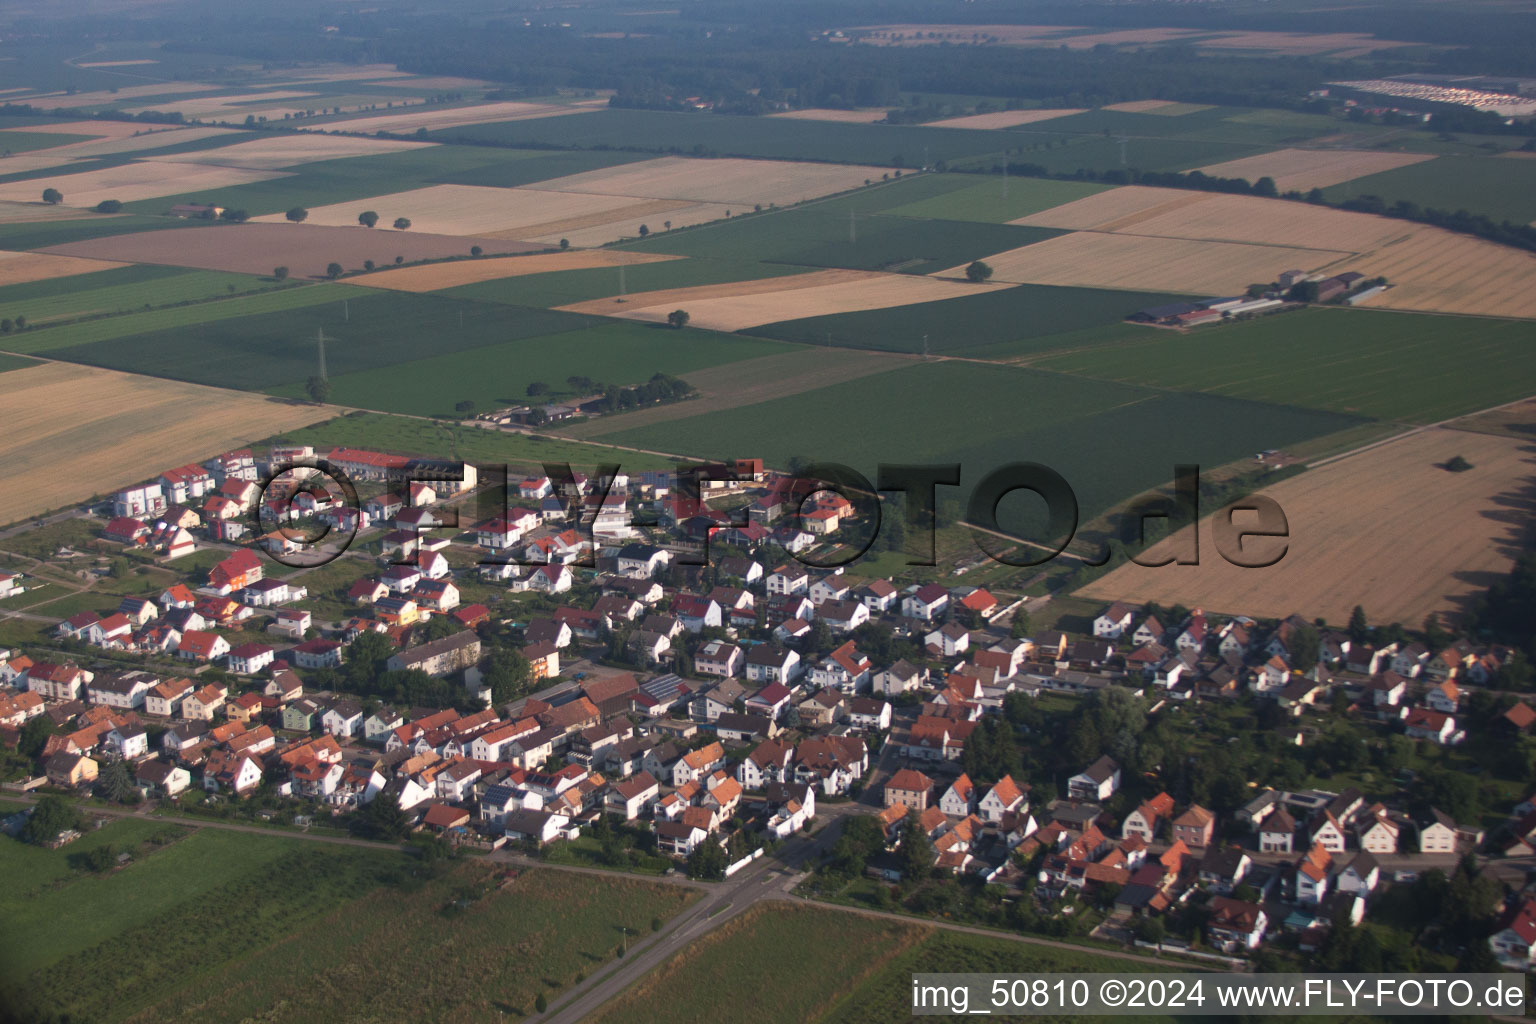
column 122, row 290
column 1109, row 441
column 724, row 135
column 196, row 318
column 1026, row 316
column 368, row 331
column 994, row 199
column 17, row 140
column 41, row 234
column 1503, row 188
column 487, row 959
column 346, row 178
column 789, row 964
column 219, row 922
column 1396, row 366
column 818, row 235
column 409, row 436
column 498, row 375
column 567, row 286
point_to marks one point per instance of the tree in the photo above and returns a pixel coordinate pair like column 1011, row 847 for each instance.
column 109, row 206
column 707, row 860
column 281, row 273
column 101, row 859
column 401, row 223
column 50, row 816
column 1457, row 464
column 34, row 736
column 235, row 216
column 334, row 270
column 52, row 196
column 465, row 408
column 916, row 851
column 7, row 325
column 1304, row 647
column 1359, row 628
column 1021, row 625
column 1303, row 291
column 367, row 264
column 382, row 817
column 537, row 388
column 297, row 215
column 565, row 243
column 978, row 272
column 21, row 323
column 474, row 250
column 644, row 230
column 1266, row 187
column 540, row 1003
column 368, row 218
column 318, row 389
column 678, row 318
column 115, row 783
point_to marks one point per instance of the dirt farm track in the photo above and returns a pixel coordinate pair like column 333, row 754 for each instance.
column 1386, row 528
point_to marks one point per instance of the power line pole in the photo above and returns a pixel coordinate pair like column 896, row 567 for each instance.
column 320, row 341
column 1005, row 175
column 622, row 292
column 346, row 311
column 925, row 348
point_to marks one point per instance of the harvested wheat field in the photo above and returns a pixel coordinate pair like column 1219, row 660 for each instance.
column 21, row 267
column 1003, row 118
column 106, row 97
column 726, row 180
column 734, row 307
column 229, row 103
column 922, row 35
column 1103, row 211
column 1162, row 108
column 1125, row 37
column 838, row 116
column 114, row 63
column 749, row 382
column 1228, row 218
column 1300, row 44
column 147, row 179
column 434, row 276
column 1302, row 169
column 305, row 249
column 436, row 117
column 106, row 145
column 1385, row 528
column 1439, row 271
column 1099, row 260
column 288, row 150
column 653, row 214
column 74, row 431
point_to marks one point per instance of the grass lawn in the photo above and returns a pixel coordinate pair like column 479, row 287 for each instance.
column 1109, row 443
column 498, row 375
column 487, row 959
column 1013, row 321
column 995, row 200
column 566, row 286
column 1401, row 366
column 408, row 436
column 1503, row 188
column 772, row 965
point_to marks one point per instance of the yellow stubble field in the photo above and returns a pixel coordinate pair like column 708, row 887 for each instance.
column 1004, row 118
column 726, row 180
column 432, row 277
column 74, row 431
column 1303, row 169
column 288, row 150
column 1385, row 528
column 21, row 267
column 146, row 179
column 435, row 117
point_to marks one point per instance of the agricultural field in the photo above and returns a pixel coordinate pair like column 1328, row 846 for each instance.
column 75, row 431
column 289, row 150
column 1389, row 366
column 369, row 330
column 338, row 180
column 498, row 374
column 70, row 225
column 742, row 182
column 827, row 235
column 433, row 277
column 140, row 179
column 413, row 436
column 996, row 200
column 869, row 116
column 744, row 968
column 1388, row 524
column 24, row 267
column 305, row 249
column 604, row 280
column 1503, row 188
column 1303, row 169
column 1027, row 317
column 447, row 118
column 736, row 307
column 774, row 138
column 1109, row 441
column 120, row 290
column 1004, row 118
column 19, row 140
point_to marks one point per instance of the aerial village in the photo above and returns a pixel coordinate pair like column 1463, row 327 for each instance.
column 721, row 708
